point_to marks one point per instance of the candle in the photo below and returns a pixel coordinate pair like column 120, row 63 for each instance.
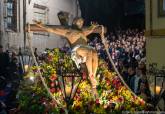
column 155, row 90
column 158, row 90
column 68, row 91
column 26, row 67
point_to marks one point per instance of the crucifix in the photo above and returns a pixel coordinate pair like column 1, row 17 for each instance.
column 82, row 54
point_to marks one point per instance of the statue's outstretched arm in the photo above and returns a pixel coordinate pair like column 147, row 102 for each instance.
column 90, row 30
column 96, row 29
column 61, row 31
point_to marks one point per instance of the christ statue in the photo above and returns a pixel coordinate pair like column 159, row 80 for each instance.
column 81, row 52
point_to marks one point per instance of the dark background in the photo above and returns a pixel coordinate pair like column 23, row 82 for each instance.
column 114, row 14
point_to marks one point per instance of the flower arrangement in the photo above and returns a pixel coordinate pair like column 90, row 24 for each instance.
column 113, row 96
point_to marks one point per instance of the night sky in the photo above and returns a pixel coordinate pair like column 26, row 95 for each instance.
column 114, row 13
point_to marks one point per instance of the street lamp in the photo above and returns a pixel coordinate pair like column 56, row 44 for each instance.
column 69, row 83
column 25, row 60
column 157, row 85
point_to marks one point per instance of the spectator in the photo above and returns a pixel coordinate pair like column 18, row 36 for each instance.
column 36, row 53
column 137, row 81
column 4, row 62
column 14, row 67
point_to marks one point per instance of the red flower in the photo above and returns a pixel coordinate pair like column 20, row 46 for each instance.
column 50, row 57
column 52, row 90
column 53, row 77
column 120, row 99
column 118, row 85
column 97, row 101
column 116, row 82
column 142, row 102
column 108, row 82
column 78, row 91
column 52, row 84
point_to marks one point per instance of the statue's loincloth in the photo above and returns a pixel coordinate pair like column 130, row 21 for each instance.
column 77, row 58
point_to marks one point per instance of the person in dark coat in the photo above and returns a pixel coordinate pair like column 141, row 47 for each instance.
column 4, row 62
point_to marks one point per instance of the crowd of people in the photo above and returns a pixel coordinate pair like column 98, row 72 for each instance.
column 9, row 79
column 127, row 49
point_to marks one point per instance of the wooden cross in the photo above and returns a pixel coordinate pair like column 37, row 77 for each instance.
column 35, row 28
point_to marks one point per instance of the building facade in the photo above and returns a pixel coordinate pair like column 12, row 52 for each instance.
column 155, row 44
column 15, row 14
column 155, row 31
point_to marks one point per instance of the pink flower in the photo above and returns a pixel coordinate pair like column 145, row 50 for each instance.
column 97, row 101
column 52, row 84
column 52, row 90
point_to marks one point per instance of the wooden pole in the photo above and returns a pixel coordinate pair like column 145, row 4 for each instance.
column 24, row 21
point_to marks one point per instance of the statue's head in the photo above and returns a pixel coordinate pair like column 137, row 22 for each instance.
column 78, row 22
column 63, row 17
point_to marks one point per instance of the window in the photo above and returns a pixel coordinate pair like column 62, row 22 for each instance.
column 10, row 15
column 40, row 13
column 161, row 8
column 40, row 16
